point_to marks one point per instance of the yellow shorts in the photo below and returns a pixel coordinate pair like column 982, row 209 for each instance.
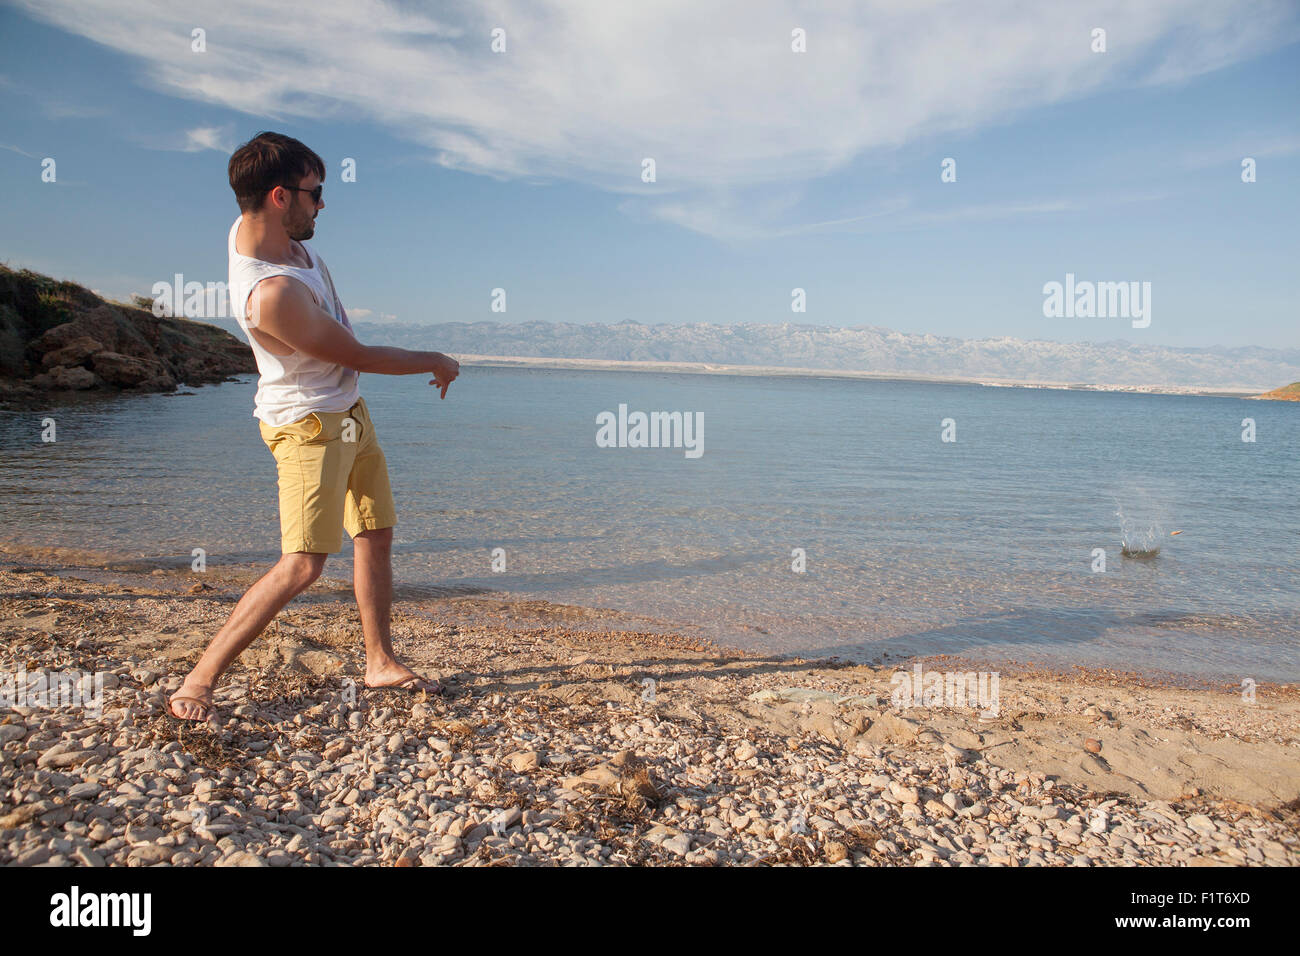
column 332, row 476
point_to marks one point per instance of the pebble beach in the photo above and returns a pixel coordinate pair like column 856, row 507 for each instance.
column 582, row 737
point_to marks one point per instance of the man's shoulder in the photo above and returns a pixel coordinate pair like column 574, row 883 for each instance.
column 316, row 258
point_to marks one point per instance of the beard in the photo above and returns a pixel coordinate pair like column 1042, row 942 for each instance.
column 303, row 230
column 300, row 229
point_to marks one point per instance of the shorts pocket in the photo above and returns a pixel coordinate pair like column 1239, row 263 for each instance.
column 315, row 426
column 301, row 432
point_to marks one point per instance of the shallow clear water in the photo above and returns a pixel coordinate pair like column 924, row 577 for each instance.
column 981, row 547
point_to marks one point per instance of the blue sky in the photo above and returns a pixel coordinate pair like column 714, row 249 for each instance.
column 775, row 169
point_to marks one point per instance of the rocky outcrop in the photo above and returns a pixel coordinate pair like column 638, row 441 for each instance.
column 58, row 336
column 1287, row 393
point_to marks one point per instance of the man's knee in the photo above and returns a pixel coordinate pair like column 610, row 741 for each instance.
column 375, row 537
column 304, row 567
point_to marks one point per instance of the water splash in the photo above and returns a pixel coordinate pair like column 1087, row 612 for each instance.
column 1138, row 538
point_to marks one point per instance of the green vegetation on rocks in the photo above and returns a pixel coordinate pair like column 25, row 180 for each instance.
column 59, row 336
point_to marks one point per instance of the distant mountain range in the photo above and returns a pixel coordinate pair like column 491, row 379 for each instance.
column 868, row 349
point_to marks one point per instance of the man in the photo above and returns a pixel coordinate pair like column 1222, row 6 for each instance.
column 332, row 472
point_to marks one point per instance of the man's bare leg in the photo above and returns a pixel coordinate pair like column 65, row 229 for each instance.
column 372, row 582
column 290, row 576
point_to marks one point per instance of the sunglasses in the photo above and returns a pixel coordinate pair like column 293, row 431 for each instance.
column 315, row 192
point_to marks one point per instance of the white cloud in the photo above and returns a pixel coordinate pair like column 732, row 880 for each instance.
column 369, row 315
column 219, row 138
column 208, row 137
column 713, row 93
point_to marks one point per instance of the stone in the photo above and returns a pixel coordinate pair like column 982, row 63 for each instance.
column 239, row 858
column 67, row 378
column 1092, row 745
column 937, row 809
column 600, row 776
column 836, row 851
column 680, row 844
column 74, row 353
column 142, row 834
column 149, row 854
column 524, row 760
column 505, row 819
column 903, row 794
column 126, row 371
column 10, row 732
column 334, row 817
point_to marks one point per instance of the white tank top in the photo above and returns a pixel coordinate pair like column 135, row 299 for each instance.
column 291, row 386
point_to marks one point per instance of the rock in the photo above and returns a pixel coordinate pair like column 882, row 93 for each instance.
column 336, row 749
column 149, row 854
column 937, row 809
column 524, row 760
column 85, row 791
column 74, row 353
column 125, row 371
column 1092, row 745
column 958, row 754
column 805, row 695
column 100, row 831
column 135, row 833
column 88, row 857
column 239, row 858
column 10, row 732
column 21, row 816
column 904, row 794
column 68, row 758
column 680, row 844
column 745, row 751
column 505, row 819
column 67, row 378
column 334, row 817
column 600, row 776
column 835, row 852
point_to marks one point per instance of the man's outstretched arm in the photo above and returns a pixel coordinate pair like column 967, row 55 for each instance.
column 285, row 310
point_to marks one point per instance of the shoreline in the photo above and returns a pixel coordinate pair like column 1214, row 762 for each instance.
column 711, row 368
column 553, row 749
column 18, row 399
column 105, row 564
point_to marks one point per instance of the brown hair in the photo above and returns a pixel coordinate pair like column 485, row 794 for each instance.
column 266, row 161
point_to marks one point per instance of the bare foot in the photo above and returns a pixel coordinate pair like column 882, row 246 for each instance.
column 397, row 676
column 192, row 702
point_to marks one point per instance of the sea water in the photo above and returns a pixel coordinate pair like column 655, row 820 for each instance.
column 824, row 515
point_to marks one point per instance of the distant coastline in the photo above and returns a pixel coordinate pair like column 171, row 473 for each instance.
column 749, row 348
column 712, row 368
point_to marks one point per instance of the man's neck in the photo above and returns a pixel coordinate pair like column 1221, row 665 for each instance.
column 267, row 241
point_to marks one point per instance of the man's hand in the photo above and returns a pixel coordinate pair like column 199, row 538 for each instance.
column 445, row 369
